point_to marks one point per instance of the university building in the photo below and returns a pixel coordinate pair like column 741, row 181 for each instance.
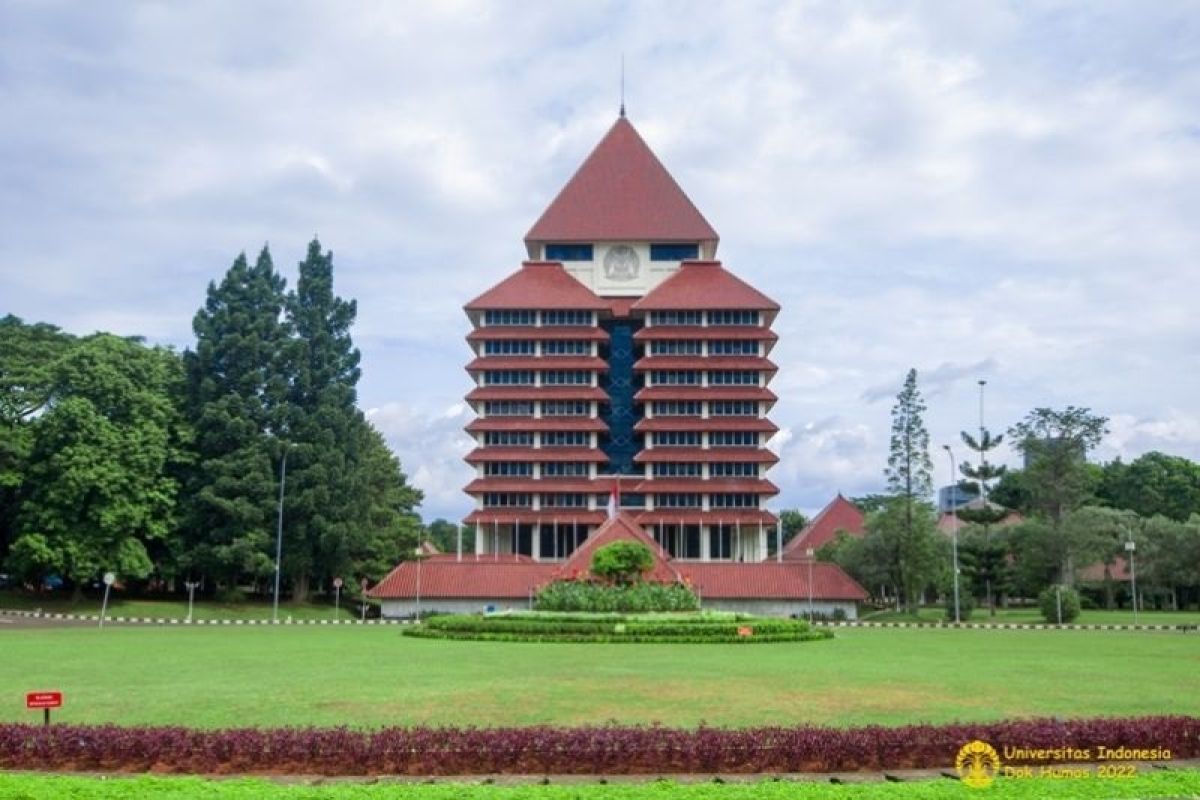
column 622, row 390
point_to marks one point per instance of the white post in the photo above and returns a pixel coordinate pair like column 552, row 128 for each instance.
column 810, row 553
column 1130, row 546
column 954, row 530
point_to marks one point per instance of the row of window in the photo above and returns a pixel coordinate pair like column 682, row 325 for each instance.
column 527, row 347
column 586, row 252
column 549, row 439
column 525, row 316
column 659, row 438
column 715, row 439
column 737, row 469
column 524, row 469
column 579, row 500
column 694, row 347
column 691, row 377
column 524, row 408
column 716, row 318
column 525, row 377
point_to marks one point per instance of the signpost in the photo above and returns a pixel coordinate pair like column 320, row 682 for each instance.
column 191, row 587
column 337, row 596
column 44, row 701
column 108, row 582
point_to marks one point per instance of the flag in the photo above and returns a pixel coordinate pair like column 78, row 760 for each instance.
column 612, row 502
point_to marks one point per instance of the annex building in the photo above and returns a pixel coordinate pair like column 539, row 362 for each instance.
column 622, row 390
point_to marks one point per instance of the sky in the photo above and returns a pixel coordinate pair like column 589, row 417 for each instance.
column 999, row 191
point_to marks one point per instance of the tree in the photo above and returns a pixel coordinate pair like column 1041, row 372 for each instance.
column 1168, row 557
column 236, row 390
column 1153, row 483
column 1055, row 445
column 792, row 522
column 908, row 472
column 983, row 554
column 980, row 478
column 1012, row 491
column 444, row 535
column 622, row 563
column 100, row 485
column 902, row 544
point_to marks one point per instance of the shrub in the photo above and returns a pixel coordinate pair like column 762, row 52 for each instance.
column 966, row 603
column 1048, row 604
column 637, row 597
column 622, row 562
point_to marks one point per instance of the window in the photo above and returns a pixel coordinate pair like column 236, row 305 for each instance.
column 675, row 408
column 566, row 439
column 508, row 408
column 735, row 469
column 669, row 470
column 565, row 469
column 569, row 252
column 676, row 439
column 685, row 347
column 674, row 377
column 515, row 347
column 674, row 252
column 566, row 317
column 508, row 469
column 733, row 347
column 731, row 377
column 508, row 377
column 565, row 408
column 733, row 439
column 733, row 408
column 566, row 377
column 508, row 438
column 507, row 499
column 734, row 317
column 508, row 316
column 564, row 500
column 738, row 500
column 677, row 500
column 567, row 348
column 676, row 317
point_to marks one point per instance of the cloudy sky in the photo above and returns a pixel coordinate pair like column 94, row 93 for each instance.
column 997, row 190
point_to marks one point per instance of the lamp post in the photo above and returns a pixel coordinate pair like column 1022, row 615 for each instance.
column 419, row 553
column 811, row 553
column 954, row 529
column 191, row 587
column 1130, row 547
column 279, row 532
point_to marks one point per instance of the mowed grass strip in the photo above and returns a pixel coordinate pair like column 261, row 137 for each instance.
column 119, row 606
column 1095, row 616
column 370, row 677
column 1167, row 783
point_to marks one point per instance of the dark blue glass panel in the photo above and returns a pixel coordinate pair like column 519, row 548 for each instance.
column 568, row 252
column 621, row 444
column 674, row 252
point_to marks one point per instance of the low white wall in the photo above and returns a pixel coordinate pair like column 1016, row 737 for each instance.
column 781, row 608
column 407, row 608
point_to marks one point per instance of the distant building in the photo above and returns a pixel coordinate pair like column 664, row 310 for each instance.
column 840, row 515
column 622, row 365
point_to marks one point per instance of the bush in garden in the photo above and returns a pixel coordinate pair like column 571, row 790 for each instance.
column 599, row 597
column 654, row 628
column 1048, row 604
column 966, row 603
column 622, row 563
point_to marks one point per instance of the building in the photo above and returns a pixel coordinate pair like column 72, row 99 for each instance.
column 839, row 516
column 622, row 368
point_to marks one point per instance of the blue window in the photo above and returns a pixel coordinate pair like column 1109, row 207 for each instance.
column 676, row 408
column 566, row 377
column 508, row 347
column 735, row 469
column 507, row 499
column 681, row 500
column 733, row 439
column 676, row 439
column 730, row 377
column 676, row 377
column 735, row 317
column 675, row 347
column 569, row 252
column 508, row 408
column 564, row 500
column 508, row 317
column 565, row 469
column 508, row 469
column 733, row 500
column 733, row 347
column 567, row 348
column 565, row 408
column 508, row 439
column 508, row 377
column 676, row 317
column 733, row 408
column 669, row 469
column 566, row 317
column 566, row 439
column 674, row 252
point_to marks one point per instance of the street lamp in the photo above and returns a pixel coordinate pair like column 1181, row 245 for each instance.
column 279, row 531
column 419, row 553
column 954, row 528
column 811, row 553
column 1130, row 547
column 191, row 587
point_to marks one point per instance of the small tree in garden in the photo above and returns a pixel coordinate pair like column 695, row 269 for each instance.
column 622, row 563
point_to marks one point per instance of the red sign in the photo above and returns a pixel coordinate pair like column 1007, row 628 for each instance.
column 43, row 700
column 745, row 630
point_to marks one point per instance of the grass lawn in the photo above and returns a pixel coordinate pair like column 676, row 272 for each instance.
column 118, row 606
column 214, row 677
column 1173, row 783
column 1086, row 616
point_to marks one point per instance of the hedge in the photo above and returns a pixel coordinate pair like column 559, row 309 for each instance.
column 540, row 750
column 616, row 628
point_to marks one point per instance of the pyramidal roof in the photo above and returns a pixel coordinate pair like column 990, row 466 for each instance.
column 704, row 285
column 839, row 515
column 622, row 192
column 617, row 529
column 544, row 283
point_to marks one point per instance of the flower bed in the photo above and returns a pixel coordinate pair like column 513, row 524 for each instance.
column 599, row 750
column 639, row 628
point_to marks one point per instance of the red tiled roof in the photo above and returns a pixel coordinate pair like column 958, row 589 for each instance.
column 651, row 393
column 704, row 285
column 483, row 577
column 708, row 485
column 710, row 424
column 770, row 579
column 482, row 454
column 621, row 192
column 838, row 515
column 505, row 516
column 539, row 424
column 722, row 455
column 540, row 485
column 548, row 333
column 620, row 306
column 694, row 516
column 622, row 527
column 538, row 284
column 536, row 393
column 945, row 521
column 674, row 332
column 537, row 363
column 705, row 362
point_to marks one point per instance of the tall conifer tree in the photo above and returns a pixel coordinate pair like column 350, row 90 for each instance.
column 910, row 481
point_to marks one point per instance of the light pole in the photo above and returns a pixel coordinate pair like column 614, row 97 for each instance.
column 279, row 532
column 419, row 553
column 954, row 528
column 191, row 587
column 1130, row 547
column 811, row 553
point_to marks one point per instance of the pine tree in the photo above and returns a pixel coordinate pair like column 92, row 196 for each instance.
column 236, row 393
column 989, row 559
column 910, row 481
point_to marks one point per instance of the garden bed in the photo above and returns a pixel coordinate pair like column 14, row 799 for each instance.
column 668, row 628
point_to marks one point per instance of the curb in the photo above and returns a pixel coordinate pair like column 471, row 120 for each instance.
column 167, row 621
column 1013, row 626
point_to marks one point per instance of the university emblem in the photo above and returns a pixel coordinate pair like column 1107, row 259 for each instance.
column 977, row 764
column 621, row 263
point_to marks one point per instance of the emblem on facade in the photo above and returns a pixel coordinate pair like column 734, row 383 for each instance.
column 977, row 764
column 621, row 263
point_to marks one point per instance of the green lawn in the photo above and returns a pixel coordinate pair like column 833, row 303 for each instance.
column 209, row 677
column 1086, row 617
column 1173, row 783
column 118, row 606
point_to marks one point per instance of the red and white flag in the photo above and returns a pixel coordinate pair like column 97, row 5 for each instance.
column 612, row 502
